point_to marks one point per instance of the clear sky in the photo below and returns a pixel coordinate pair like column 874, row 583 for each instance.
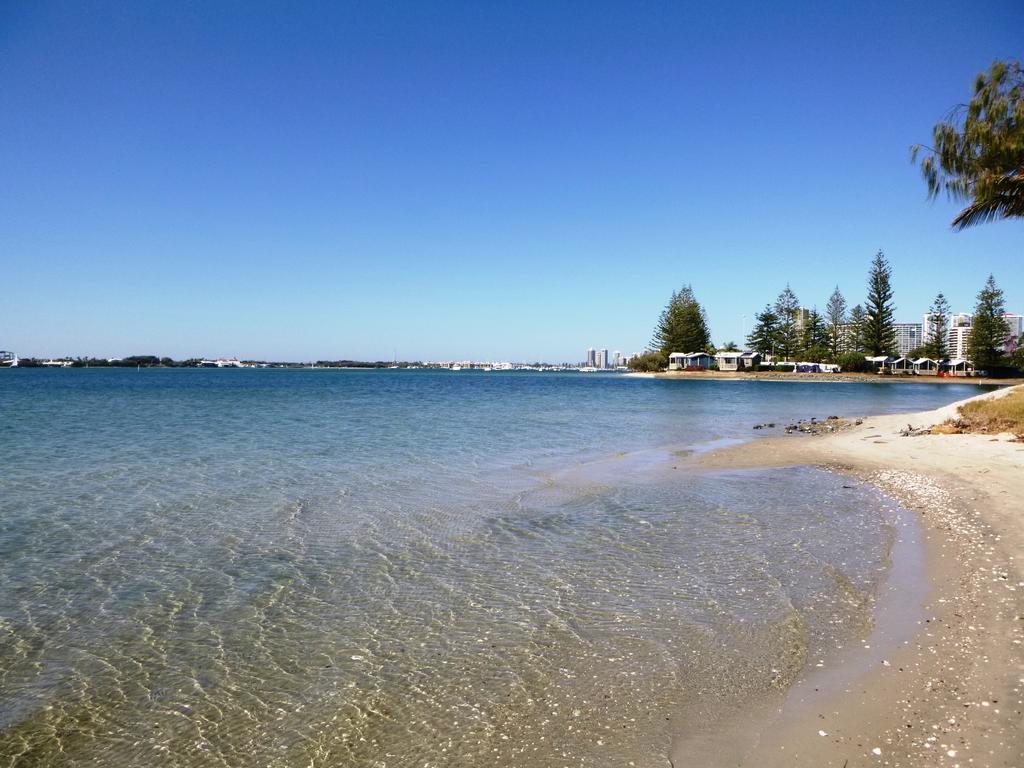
column 471, row 180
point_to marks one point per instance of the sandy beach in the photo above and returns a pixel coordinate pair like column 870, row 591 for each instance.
column 949, row 691
column 835, row 378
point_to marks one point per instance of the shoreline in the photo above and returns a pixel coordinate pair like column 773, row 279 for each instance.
column 951, row 694
column 833, row 378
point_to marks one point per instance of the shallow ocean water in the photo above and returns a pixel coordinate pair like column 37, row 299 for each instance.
column 391, row 568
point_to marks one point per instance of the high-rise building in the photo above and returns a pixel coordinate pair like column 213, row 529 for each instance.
column 800, row 317
column 927, row 329
column 959, row 333
column 591, row 357
column 617, row 360
column 846, row 337
column 602, row 359
column 908, row 337
column 1014, row 329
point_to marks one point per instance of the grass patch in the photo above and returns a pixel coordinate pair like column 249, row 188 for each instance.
column 991, row 416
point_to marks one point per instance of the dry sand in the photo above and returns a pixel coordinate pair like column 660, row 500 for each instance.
column 834, row 378
column 950, row 693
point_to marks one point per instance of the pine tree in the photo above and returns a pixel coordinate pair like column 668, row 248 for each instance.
column 662, row 339
column 814, row 338
column 855, row 336
column 695, row 334
column 835, row 318
column 764, row 336
column 938, row 329
column 989, row 331
column 879, row 330
column 682, row 325
column 786, row 307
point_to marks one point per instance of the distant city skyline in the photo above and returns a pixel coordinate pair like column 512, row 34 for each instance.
column 603, row 359
column 449, row 181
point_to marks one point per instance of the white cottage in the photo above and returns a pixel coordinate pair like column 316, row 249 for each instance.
column 729, row 361
column 750, row 359
column 677, row 361
column 925, row 366
column 897, row 365
column 958, row 367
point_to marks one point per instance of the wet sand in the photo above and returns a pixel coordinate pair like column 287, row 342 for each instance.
column 949, row 692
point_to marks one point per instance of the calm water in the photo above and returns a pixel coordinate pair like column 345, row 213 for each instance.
column 403, row 568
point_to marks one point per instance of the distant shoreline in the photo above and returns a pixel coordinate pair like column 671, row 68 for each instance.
column 823, row 378
column 832, row 378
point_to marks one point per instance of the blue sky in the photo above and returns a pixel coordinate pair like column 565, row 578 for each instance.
column 486, row 180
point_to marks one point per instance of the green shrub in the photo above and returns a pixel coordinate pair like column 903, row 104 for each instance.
column 649, row 362
column 852, row 362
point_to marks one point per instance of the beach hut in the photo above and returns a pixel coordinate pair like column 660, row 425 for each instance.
column 877, row 362
column 958, row 367
column 698, row 360
column 925, row 366
column 677, row 361
column 897, row 365
column 750, row 359
column 729, row 361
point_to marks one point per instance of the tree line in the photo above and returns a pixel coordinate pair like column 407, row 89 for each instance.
column 132, row 361
column 153, row 361
column 785, row 330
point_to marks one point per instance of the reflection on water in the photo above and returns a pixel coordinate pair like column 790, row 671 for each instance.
column 286, row 571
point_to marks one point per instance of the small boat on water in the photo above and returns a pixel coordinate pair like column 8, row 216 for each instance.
column 8, row 359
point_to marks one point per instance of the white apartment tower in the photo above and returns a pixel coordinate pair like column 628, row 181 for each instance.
column 927, row 331
column 800, row 317
column 1014, row 328
column 959, row 333
column 908, row 337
